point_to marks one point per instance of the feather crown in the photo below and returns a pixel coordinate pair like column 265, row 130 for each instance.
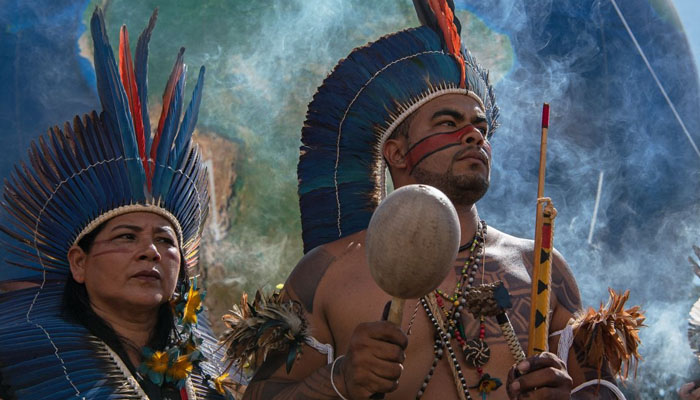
column 108, row 164
column 341, row 170
column 96, row 168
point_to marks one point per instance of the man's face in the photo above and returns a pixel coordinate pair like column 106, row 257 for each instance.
column 133, row 263
column 447, row 148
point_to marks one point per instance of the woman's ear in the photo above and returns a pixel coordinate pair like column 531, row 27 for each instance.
column 394, row 154
column 77, row 259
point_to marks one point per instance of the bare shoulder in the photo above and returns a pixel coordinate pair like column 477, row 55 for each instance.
column 509, row 245
column 564, row 284
column 306, row 276
column 512, row 253
column 309, row 275
column 514, row 250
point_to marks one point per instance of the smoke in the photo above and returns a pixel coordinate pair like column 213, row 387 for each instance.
column 265, row 59
column 608, row 116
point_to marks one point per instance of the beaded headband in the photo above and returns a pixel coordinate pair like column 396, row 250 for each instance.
column 107, row 165
column 341, row 169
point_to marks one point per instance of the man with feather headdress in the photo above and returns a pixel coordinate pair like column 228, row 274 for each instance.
column 418, row 103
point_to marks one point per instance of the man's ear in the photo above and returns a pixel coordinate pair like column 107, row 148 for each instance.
column 393, row 153
column 77, row 260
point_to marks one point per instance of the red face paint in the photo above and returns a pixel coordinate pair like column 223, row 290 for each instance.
column 436, row 142
column 112, row 246
column 120, row 250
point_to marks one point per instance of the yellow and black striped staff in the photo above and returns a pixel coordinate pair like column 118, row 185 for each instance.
column 542, row 267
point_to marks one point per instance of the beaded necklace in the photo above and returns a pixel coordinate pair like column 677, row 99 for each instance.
column 448, row 323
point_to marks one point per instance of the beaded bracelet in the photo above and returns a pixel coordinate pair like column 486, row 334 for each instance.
column 333, row 383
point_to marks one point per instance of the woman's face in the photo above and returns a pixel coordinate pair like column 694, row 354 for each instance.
column 133, row 263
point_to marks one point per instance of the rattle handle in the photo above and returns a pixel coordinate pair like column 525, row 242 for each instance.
column 396, row 311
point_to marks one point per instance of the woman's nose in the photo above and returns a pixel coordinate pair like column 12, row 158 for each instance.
column 150, row 252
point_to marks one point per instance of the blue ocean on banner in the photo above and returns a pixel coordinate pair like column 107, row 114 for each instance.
column 45, row 80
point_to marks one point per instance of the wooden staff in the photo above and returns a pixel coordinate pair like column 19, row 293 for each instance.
column 542, row 266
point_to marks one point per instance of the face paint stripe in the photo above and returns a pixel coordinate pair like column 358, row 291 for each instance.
column 431, row 153
column 418, row 143
column 433, row 143
column 111, row 251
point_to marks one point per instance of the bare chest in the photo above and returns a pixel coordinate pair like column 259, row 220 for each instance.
column 361, row 301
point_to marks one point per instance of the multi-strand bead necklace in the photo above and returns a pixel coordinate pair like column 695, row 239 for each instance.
column 446, row 318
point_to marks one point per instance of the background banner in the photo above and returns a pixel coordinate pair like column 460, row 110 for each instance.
column 623, row 163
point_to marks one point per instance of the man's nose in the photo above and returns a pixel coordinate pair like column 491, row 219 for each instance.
column 149, row 251
column 473, row 137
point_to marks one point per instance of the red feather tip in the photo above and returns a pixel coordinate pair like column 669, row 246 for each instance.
column 445, row 19
column 126, row 71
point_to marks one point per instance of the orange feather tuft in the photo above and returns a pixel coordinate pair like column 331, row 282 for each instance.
column 612, row 334
column 445, row 18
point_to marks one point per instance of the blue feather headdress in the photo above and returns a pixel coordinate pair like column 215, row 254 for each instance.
column 358, row 106
column 76, row 178
column 108, row 164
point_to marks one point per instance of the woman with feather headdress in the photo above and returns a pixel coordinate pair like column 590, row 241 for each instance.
column 103, row 223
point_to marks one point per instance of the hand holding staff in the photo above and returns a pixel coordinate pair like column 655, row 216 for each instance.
column 542, row 267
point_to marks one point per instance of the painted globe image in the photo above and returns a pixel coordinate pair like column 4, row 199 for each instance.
column 623, row 167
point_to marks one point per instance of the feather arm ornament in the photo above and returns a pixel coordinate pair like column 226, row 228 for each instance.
column 268, row 324
column 610, row 334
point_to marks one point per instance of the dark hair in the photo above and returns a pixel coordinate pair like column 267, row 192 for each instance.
column 400, row 131
column 76, row 306
column 403, row 127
